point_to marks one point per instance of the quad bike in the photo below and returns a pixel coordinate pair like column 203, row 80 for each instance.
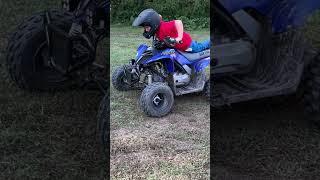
column 56, row 50
column 162, row 73
column 44, row 55
column 259, row 51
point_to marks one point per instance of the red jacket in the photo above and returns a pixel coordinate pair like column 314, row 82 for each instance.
column 169, row 29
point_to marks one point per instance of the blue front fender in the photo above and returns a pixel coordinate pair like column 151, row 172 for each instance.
column 141, row 49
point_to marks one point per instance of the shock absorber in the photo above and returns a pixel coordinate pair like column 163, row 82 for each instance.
column 149, row 79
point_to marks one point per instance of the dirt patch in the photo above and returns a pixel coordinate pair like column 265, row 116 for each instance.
column 176, row 146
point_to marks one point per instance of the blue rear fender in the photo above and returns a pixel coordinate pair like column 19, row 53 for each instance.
column 198, row 65
column 182, row 60
column 202, row 64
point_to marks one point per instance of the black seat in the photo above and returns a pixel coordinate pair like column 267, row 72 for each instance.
column 195, row 56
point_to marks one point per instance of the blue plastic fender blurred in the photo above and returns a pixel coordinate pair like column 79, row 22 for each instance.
column 283, row 13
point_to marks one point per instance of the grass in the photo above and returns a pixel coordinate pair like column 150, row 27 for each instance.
column 265, row 140
column 45, row 135
column 173, row 147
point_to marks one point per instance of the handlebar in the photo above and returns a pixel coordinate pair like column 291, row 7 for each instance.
column 167, row 42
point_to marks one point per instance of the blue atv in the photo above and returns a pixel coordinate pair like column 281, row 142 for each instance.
column 56, row 49
column 163, row 73
column 260, row 51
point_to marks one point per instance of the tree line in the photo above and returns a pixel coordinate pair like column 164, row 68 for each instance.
column 195, row 14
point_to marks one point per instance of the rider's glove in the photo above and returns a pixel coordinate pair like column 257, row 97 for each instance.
column 171, row 42
column 158, row 44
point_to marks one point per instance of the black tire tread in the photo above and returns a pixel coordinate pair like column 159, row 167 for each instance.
column 19, row 38
column 116, row 82
column 145, row 97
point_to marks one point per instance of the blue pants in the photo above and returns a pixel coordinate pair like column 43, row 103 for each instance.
column 198, row 47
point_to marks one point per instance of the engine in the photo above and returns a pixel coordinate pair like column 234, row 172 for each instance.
column 181, row 79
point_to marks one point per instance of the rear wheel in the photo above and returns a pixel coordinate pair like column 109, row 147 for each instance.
column 27, row 54
column 156, row 99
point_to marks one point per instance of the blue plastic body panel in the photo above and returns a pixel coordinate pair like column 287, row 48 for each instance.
column 283, row 13
column 169, row 56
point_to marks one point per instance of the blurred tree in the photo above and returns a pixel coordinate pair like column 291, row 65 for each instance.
column 194, row 13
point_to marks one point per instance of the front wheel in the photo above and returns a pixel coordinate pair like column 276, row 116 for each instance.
column 28, row 54
column 119, row 80
column 156, row 99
